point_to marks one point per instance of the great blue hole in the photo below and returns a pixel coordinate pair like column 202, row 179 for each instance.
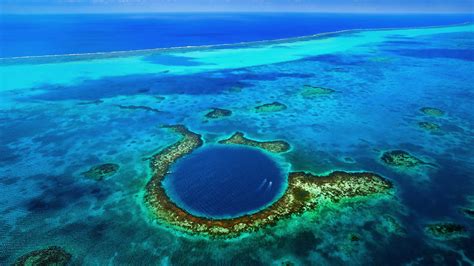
column 225, row 181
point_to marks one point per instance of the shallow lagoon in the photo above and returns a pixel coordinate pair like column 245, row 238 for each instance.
column 60, row 116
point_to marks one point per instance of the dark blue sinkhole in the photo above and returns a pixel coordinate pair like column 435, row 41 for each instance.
column 225, row 181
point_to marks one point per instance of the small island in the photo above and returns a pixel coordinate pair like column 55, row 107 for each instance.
column 101, row 171
column 400, row 158
column 216, row 113
column 276, row 146
column 431, row 111
column 446, row 230
column 429, row 126
column 52, row 255
column 270, row 107
column 313, row 92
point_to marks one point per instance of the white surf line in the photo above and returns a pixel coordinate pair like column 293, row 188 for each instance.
column 225, row 45
column 67, row 72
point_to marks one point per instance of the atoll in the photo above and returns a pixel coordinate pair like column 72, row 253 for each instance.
column 400, row 158
column 312, row 92
column 101, row 171
column 431, row 111
column 429, row 126
column 304, row 192
column 270, row 107
column 275, row 146
column 218, row 113
column 446, row 230
column 52, row 255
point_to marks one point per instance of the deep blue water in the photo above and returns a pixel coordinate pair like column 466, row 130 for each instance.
column 22, row 35
column 224, row 181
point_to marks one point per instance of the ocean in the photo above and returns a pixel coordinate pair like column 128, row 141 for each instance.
column 32, row 35
column 347, row 148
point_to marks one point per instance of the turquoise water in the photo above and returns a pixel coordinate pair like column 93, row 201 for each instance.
column 225, row 182
column 61, row 115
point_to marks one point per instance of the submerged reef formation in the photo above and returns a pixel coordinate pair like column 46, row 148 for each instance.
column 429, row 126
column 431, row 111
column 312, row 92
column 304, row 192
column 95, row 102
column 135, row 107
column 468, row 212
column 218, row 113
column 389, row 224
column 52, row 255
column 270, row 107
column 354, row 237
column 446, row 230
column 276, row 146
column 101, row 171
column 159, row 98
column 400, row 158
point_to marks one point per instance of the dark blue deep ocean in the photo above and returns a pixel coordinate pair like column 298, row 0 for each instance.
column 29, row 35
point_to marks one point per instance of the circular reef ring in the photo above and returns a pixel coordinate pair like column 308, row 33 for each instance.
column 304, row 192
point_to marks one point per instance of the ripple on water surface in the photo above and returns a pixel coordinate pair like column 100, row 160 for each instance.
column 224, row 182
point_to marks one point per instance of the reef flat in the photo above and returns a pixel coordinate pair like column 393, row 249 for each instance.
column 400, row 158
column 305, row 192
column 313, row 92
column 218, row 113
column 101, row 171
column 49, row 256
column 446, row 230
column 270, row 107
column 276, row 146
column 431, row 111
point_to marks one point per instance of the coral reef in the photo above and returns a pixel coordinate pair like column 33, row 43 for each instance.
column 304, row 192
column 91, row 102
column 270, row 107
column 353, row 237
column 135, row 107
column 235, row 89
column 431, row 111
column 276, row 146
column 101, row 171
column 312, row 92
column 389, row 224
column 446, row 230
column 468, row 212
column 400, row 158
column 429, row 126
column 160, row 98
column 52, row 255
column 218, row 113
